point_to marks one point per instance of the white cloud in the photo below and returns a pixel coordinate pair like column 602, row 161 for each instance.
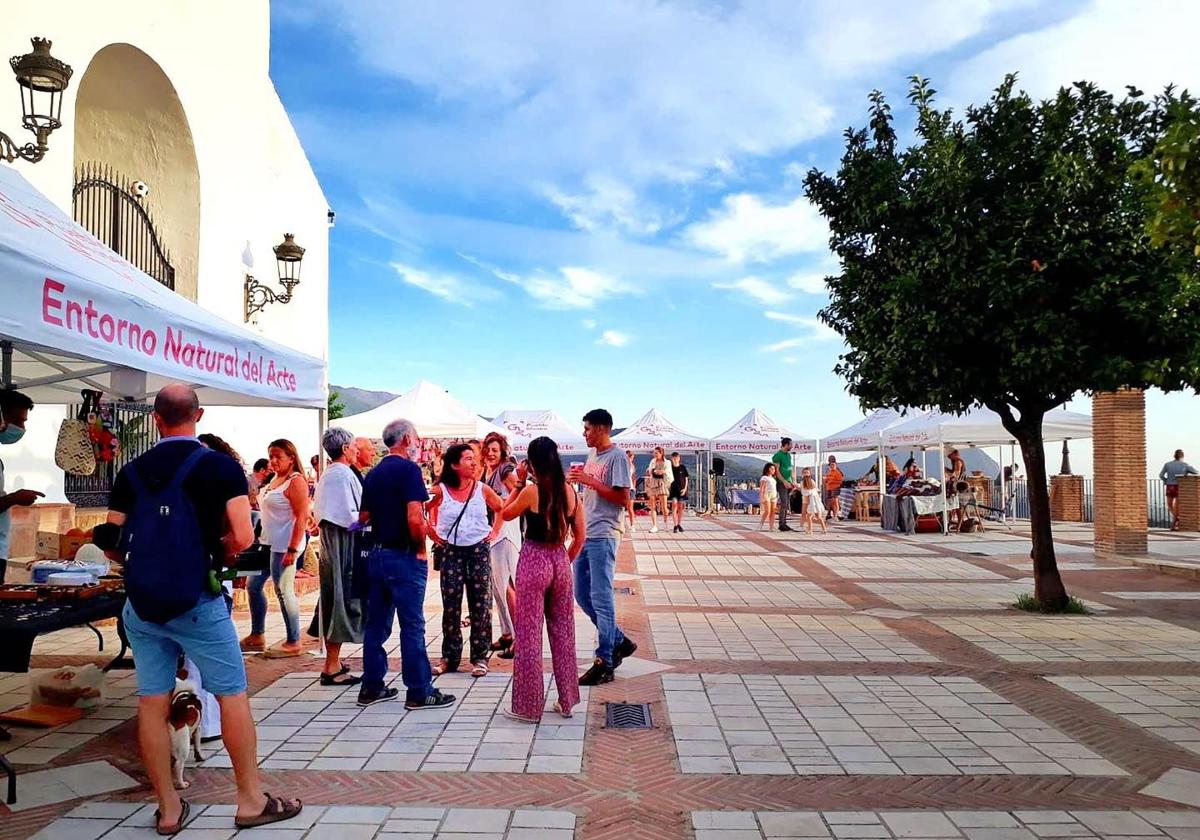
column 815, row 331
column 757, row 288
column 546, row 92
column 746, row 228
column 1110, row 42
column 448, row 287
column 613, row 338
column 589, row 323
column 809, row 283
column 572, row 287
column 603, row 203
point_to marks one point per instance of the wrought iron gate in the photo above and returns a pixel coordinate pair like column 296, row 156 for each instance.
column 134, row 428
column 105, row 203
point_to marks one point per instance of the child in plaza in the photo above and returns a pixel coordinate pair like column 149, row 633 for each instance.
column 768, row 497
column 814, row 509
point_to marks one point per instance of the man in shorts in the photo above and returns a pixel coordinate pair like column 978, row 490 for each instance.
column 606, row 481
column 1170, row 474
column 217, row 490
column 677, row 497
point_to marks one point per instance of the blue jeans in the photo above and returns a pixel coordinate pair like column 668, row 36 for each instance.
column 205, row 633
column 594, row 592
column 284, row 579
column 396, row 585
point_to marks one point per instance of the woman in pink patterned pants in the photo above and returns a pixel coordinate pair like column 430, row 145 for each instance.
column 544, row 590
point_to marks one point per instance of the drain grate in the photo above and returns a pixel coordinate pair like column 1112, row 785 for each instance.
column 623, row 590
column 628, row 716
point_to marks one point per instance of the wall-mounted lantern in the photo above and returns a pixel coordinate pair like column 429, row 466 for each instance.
column 42, row 79
column 288, row 256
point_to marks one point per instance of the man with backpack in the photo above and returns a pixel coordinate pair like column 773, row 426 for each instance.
column 183, row 511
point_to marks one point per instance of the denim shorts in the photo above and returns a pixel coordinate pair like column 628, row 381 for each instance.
column 207, row 635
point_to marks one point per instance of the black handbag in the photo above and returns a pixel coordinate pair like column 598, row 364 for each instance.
column 437, row 549
column 364, row 544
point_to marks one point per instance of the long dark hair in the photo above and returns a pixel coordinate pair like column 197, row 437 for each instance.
column 218, row 444
column 450, row 460
column 551, row 485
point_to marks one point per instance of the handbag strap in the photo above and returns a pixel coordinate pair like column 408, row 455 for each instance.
column 453, row 532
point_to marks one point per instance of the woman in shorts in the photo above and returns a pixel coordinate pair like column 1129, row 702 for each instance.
column 768, row 497
column 658, row 479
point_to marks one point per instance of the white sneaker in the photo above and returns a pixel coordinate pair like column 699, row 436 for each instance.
column 654, row 530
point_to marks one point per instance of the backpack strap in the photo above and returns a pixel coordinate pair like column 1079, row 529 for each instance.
column 187, row 466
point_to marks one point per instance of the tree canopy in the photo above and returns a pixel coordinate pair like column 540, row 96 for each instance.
column 1011, row 258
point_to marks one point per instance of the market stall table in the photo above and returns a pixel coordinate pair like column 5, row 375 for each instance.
column 23, row 621
column 899, row 513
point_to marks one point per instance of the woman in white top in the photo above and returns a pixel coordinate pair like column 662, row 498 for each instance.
column 501, row 476
column 658, row 479
column 814, row 508
column 285, row 509
column 462, row 539
column 339, row 493
column 768, row 497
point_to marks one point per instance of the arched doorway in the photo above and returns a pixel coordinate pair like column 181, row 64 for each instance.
column 130, row 124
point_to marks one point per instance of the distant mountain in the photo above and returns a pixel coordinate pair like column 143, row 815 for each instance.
column 358, row 400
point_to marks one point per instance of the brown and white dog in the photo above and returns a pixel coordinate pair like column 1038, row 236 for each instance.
column 184, row 723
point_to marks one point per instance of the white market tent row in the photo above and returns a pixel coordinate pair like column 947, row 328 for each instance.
column 980, row 427
column 436, row 414
column 977, row 427
column 77, row 315
column 654, row 429
column 522, row 426
column 865, row 435
column 756, row 432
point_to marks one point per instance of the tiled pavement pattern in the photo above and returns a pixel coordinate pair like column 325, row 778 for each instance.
column 996, row 595
column 1168, row 706
column 907, row 568
column 302, row 726
column 1155, row 596
column 726, row 723
column 774, row 636
column 936, row 825
column 1029, row 638
column 713, row 565
column 984, row 724
column 738, row 593
column 41, row 746
column 122, row 821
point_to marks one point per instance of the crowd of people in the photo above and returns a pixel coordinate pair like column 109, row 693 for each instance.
column 529, row 539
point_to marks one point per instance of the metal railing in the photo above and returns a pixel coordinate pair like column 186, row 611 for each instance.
column 1158, row 515
column 135, row 432
column 107, row 204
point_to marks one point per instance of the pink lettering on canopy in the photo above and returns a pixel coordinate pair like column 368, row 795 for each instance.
column 51, row 303
column 59, row 309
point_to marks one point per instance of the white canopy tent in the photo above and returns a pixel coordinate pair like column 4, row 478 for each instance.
column 653, row 429
column 979, row 427
column 756, row 432
column 436, row 414
column 864, row 436
column 522, row 426
column 77, row 315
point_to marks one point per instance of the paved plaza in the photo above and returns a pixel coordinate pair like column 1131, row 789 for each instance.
column 847, row 686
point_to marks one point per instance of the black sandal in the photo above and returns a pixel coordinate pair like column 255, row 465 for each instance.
column 184, row 813
column 503, row 643
column 276, row 810
column 339, row 680
column 507, row 653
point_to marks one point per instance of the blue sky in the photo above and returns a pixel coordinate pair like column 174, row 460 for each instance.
column 564, row 205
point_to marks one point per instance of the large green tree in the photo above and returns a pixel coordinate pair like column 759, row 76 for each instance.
column 1004, row 260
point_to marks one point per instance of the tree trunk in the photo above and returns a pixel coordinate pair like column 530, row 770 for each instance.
column 1048, row 587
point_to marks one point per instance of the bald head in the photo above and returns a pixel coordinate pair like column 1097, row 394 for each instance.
column 364, row 450
column 177, row 409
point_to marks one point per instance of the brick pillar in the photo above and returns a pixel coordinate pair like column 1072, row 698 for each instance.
column 1119, row 470
column 1066, row 498
column 1189, row 503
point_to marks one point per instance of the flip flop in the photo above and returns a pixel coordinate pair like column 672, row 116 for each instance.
column 252, row 647
column 339, row 679
column 178, row 827
column 511, row 715
column 442, row 668
column 479, row 669
column 558, row 707
column 281, row 653
column 276, row 810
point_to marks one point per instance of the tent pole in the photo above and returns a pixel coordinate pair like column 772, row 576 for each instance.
column 322, row 425
column 945, row 505
column 6, row 357
column 1003, row 496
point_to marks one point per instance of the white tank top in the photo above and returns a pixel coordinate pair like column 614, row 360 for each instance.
column 278, row 520
column 474, row 524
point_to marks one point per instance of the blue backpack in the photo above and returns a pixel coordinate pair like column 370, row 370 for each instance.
column 166, row 563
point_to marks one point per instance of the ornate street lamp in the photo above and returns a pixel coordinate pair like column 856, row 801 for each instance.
column 288, row 256
column 42, row 79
